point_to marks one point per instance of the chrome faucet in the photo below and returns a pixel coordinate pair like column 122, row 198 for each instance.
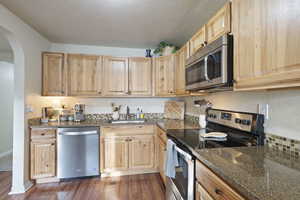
column 127, row 112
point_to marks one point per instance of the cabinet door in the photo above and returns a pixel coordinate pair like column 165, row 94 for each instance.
column 115, row 76
column 219, row 24
column 84, row 75
column 53, row 74
column 140, row 76
column 181, row 56
column 161, row 159
column 141, row 152
column 267, row 42
column 197, row 41
column 201, row 193
column 43, row 159
column 115, row 154
column 165, row 75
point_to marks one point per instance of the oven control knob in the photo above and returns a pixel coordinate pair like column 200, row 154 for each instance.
column 245, row 122
column 237, row 120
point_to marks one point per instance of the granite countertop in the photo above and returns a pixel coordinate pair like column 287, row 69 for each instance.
column 165, row 124
column 258, row 173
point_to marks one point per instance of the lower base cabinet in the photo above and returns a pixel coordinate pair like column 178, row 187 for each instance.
column 201, row 193
column 42, row 153
column 211, row 187
column 129, row 152
column 162, row 159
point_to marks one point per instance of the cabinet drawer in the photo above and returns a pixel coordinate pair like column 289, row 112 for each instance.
column 162, row 135
column 41, row 133
column 127, row 130
column 216, row 187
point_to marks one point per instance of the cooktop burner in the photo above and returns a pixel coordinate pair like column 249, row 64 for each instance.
column 242, row 129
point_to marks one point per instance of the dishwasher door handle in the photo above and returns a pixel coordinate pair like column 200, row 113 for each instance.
column 78, row 133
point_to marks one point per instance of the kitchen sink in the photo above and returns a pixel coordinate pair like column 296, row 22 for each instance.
column 139, row 121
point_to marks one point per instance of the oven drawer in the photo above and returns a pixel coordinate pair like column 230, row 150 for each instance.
column 216, row 187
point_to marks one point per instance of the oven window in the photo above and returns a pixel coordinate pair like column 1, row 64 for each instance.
column 195, row 73
column 214, row 65
column 181, row 178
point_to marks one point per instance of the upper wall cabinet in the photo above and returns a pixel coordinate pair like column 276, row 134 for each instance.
column 197, row 41
column 53, row 74
column 219, row 24
column 180, row 60
column 140, row 76
column 165, row 75
column 266, row 43
column 84, row 75
column 116, row 76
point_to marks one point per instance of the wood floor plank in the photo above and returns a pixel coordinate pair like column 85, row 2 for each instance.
column 135, row 187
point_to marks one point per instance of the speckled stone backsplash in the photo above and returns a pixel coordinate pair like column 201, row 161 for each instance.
column 122, row 116
column 283, row 144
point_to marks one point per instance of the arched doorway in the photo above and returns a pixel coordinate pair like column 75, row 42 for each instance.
column 18, row 175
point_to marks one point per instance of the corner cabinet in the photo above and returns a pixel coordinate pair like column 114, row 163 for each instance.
column 165, row 75
column 116, row 76
column 53, row 74
column 84, row 75
column 266, row 44
column 180, row 60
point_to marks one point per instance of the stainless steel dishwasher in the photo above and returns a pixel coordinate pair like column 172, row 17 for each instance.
column 78, row 152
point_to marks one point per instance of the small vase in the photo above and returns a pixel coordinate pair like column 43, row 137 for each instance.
column 148, row 53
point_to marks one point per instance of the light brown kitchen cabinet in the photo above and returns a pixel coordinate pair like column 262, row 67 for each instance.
column 219, row 24
column 127, row 149
column 197, row 41
column 141, row 152
column 84, row 75
column 213, row 185
column 53, row 74
column 140, row 76
column 266, row 44
column 162, row 159
column 181, row 56
column 115, row 76
column 201, row 193
column 42, row 153
column 165, row 75
column 115, row 154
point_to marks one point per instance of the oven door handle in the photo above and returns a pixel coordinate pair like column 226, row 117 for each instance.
column 205, row 68
column 185, row 154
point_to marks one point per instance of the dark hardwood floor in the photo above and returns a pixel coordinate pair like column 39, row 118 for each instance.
column 136, row 187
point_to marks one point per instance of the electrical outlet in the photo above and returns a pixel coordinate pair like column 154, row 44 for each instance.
column 264, row 110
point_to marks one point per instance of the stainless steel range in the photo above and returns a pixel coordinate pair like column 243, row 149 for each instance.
column 224, row 129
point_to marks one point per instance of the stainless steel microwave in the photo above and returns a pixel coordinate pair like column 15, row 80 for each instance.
column 212, row 66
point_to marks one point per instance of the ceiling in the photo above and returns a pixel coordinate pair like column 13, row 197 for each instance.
column 121, row 23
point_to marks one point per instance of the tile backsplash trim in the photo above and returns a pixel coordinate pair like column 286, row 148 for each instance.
column 283, row 144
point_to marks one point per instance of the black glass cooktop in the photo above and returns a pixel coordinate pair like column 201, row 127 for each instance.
column 193, row 139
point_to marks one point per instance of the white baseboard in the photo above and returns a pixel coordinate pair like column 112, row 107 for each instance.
column 28, row 184
column 6, row 153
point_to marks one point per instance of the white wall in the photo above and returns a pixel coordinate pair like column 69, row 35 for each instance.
column 7, row 56
column 27, row 46
column 6, row 107
column 283, row 113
